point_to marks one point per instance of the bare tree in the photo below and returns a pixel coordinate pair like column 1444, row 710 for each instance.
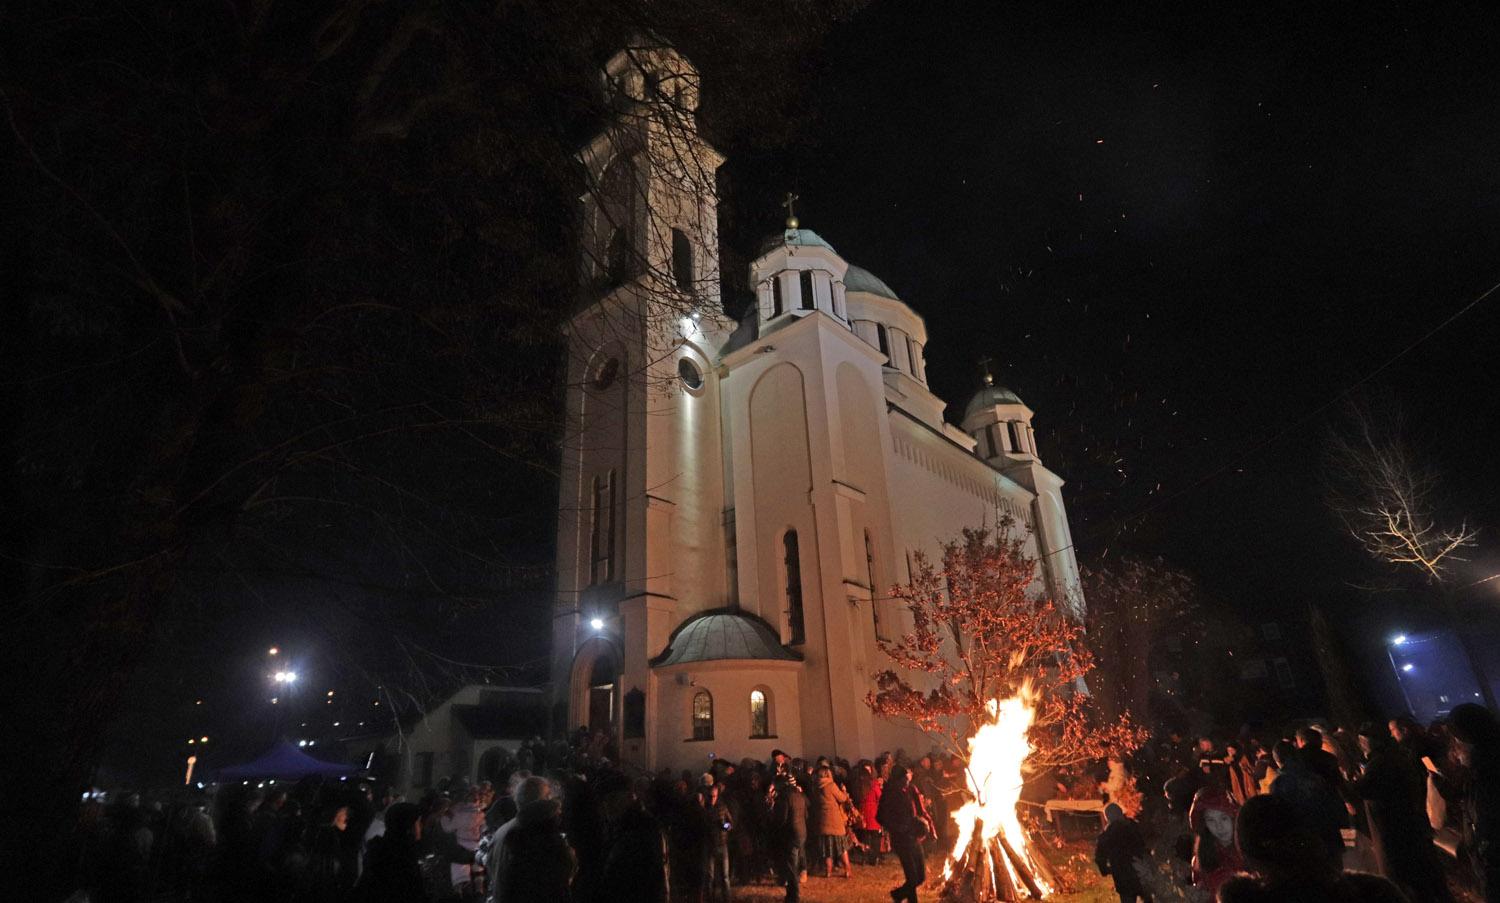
column 1387, row 499
column 1390, row 502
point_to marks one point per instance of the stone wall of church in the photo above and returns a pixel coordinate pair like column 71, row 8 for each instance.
column 729, row 685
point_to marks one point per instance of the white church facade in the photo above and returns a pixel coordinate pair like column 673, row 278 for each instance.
column 738, row 498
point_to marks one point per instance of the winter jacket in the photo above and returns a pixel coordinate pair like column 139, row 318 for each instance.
column 789, row 815
column 831, row 799
column 1116, row 851
column 869, row 806
column 901, row 813
column 391, row 873
column 536, row 863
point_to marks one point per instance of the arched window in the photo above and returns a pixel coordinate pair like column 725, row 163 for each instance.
column 882, row 340
column 682, row 260
column 1015, row 436
column 793, row 562
column 617, row 197
column 778, row 304
column 602, row 531
column 760, row 714
column 806, row 280
column 703, row 716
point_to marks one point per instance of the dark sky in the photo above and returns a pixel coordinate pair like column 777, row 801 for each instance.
column 1183, row 235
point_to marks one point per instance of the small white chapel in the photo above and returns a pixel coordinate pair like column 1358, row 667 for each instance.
column 738, row 497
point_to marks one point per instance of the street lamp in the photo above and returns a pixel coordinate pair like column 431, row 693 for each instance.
column 597, row 623
column 1400, row 640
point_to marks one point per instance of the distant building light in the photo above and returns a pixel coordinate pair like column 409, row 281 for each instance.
column 597, row 623
column 1398, row 639
column 202, row 739
column 273, row 651
column 1408, row 666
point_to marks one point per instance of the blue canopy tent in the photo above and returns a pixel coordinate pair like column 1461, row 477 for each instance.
column 284, row 762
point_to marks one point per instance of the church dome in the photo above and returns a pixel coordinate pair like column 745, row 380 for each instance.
column 989, row 397
column 797, row 238
column 724, row 634
column 859, row 279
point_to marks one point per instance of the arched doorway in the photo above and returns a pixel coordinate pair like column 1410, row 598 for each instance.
column 596, row 687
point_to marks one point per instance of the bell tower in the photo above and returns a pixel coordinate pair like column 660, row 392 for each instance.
column 1000, row 424
column 640, row 522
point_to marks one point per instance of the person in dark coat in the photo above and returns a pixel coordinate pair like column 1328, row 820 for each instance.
column 392, row 874
column 1116, row 852
column 536, row 864
column 788, row 825
column 1316, row 803
column 1394, row 789
column 1291, row 864
column 1476, row 745
column 903, row 817
column 1322, row 762
column 635, row 867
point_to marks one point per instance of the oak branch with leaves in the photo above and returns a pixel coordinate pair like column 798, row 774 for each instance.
column 980, row 631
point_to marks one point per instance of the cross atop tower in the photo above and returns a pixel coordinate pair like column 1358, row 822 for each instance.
column 791, row 213
column 984, row 367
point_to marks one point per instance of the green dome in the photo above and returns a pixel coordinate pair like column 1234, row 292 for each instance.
column 724, row 634
column 859, row 279
column 799, row 238
column 989, row 397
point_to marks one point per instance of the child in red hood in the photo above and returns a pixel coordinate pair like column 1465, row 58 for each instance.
column 1216, row 857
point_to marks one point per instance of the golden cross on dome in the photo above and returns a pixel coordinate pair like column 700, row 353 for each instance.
column 984, row 365
column 791, row 213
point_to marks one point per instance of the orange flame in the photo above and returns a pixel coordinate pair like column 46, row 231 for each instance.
column 997, row 751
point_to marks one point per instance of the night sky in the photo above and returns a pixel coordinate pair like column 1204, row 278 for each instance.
column 1184, row 237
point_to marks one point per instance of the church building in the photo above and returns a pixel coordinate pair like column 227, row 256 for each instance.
column 738, row 497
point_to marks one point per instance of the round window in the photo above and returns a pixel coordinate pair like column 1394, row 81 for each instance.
column 689, row 373
column 604, row 377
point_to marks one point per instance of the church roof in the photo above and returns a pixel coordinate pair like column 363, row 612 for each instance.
column 859, row 279
column 800, row 238
column 724, row 634
column 990, row 396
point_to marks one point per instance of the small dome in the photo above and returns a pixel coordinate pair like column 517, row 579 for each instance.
column 724, row 634
column 800, row 238
column 989, row 397
column 859, row 279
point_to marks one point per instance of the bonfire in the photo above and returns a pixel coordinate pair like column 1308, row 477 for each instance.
column 993, row 857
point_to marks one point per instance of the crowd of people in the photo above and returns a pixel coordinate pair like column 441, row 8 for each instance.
column 1320, row 815
column 561, row 822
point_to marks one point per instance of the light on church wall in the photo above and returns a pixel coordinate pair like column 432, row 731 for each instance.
column 597, row 623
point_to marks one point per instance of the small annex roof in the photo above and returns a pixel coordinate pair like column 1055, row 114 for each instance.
column 859, row 279
column 989, row 397
column 797, row 238
column 724, row 634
